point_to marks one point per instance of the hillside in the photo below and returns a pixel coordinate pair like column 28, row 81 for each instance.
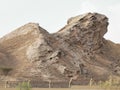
column 78, row 50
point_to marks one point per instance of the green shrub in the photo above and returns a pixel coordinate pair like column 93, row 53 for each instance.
column 24, row 86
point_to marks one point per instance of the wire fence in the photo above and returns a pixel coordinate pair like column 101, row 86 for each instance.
column 43, row 84
column 60, row 84
column 49, row 84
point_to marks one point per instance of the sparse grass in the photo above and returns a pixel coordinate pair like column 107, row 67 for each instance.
column 111, row 83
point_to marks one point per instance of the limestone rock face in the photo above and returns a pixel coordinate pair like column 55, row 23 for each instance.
column 77, row 50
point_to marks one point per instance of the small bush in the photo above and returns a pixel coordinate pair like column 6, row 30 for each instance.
column 24, row 86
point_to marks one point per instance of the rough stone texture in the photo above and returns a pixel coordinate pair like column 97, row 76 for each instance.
column 77, row 50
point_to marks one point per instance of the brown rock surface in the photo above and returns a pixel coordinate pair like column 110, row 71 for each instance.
column 78, row 48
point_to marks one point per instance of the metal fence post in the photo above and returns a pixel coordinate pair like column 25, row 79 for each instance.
column 91, row 82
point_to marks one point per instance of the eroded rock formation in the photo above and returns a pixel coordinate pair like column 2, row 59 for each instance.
column 78, row 49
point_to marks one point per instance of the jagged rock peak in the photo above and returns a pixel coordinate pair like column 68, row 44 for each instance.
column 86, row 16
column 87, row 29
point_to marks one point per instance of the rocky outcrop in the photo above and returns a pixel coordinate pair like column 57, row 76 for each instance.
column 78, row 49
column 87, row 30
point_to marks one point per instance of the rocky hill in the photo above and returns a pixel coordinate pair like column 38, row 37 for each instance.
column 78, row 50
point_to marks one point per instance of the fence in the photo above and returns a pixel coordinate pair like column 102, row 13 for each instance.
column 61, row 84
column 43, row 84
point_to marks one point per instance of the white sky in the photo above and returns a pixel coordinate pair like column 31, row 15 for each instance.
column 52, row 15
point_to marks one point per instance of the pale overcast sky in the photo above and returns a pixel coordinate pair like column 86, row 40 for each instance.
column 52, row 15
